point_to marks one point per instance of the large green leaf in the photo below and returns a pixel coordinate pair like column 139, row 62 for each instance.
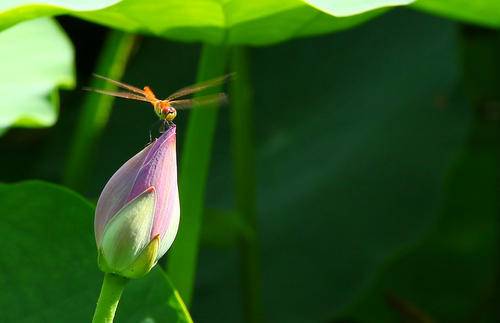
column 48, row 264
column 235, row 22
column 37, row 57
column 254, row 22
column 482, row 12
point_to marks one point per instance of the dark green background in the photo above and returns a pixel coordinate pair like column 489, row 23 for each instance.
column 377, row 177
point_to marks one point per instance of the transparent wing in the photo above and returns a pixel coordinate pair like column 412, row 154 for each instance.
column 122, row 85
column 125, row 95
column 199, row 87
column 208, row 100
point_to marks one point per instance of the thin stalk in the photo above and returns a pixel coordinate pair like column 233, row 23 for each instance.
column 111, row 291
column 96, row 109
column 182, row 261
column 243, row 154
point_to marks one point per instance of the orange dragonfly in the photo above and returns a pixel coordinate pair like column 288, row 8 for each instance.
column 166, row 109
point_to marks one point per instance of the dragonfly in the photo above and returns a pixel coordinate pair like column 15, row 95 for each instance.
column 166, row 109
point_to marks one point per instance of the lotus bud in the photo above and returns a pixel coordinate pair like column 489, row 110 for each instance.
column 137, row 214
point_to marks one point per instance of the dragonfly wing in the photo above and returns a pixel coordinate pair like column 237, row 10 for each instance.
column 199, row 87
column 125, row 95
column 208, row 100
column 122, row 85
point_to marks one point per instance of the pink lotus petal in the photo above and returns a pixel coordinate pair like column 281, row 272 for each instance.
column 116, row 192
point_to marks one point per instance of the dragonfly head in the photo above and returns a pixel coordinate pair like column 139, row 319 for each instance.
column 165, row 111
column 170, row 113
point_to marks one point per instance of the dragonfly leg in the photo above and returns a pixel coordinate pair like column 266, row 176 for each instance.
column 163, row 127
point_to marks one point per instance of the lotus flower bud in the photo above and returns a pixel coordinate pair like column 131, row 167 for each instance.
column 137, row 214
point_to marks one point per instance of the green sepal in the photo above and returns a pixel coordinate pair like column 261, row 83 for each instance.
column 145, row 262
column 101, row 262
column 141, row 266
column 128, row 233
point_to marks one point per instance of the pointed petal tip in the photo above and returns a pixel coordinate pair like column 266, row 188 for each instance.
column 168, row 137
column 171, row 130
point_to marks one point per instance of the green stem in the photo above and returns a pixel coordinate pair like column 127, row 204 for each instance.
column 111, row 291
column 181, row 265
column 243, row 153
column 96, row 109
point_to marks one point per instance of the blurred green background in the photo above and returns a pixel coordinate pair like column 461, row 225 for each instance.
column 376, row 154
